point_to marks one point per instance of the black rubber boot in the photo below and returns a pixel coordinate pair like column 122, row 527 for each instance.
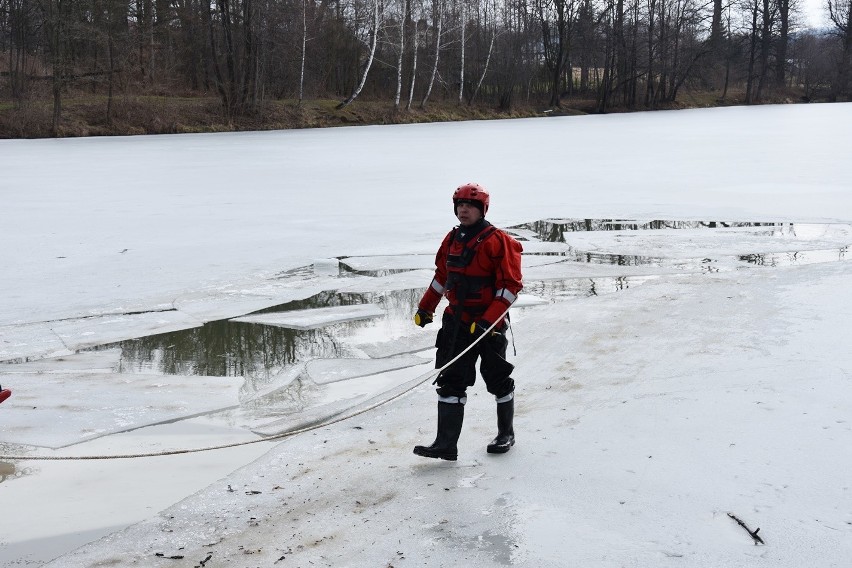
column 450, row 418
column 505, row 431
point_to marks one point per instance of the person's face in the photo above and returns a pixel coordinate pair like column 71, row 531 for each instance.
column 468, row 214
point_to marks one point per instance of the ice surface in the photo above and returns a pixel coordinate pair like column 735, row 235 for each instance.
column 30, row 340
column 314, row 318
column 390, row 262
column 715, row 243
column 66, row 407
column 343, row 397
column 324, row 371
column 327, row 267
column 526, row 300
column 69, row 335
column 409, row 280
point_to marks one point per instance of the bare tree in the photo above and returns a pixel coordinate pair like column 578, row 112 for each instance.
column 485, row 67
column 415, row 44
column 56, row 15
column 840, row 12
column 374, row 38
column 233, row 39
column 782, row 42
column 437, row 15
column 304, row 50
column 555, row 19
column 403, row 17
column 463, row 25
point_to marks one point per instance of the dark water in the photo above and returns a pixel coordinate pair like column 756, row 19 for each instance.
column 232, row 349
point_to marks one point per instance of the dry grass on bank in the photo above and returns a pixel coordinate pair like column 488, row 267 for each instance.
column 130, row 115
column 86, row 114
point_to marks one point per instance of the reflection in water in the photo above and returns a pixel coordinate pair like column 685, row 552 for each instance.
column 234, row 349
column 795, row 258
column 223, row 349
column 557, row 290
column 575, row 255
column 554, row 230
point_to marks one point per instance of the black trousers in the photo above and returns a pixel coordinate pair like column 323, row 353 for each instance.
column 491, row 351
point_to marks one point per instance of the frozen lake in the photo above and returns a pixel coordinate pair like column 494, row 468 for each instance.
column 243, row 285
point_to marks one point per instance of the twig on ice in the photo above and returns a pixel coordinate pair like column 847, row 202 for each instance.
column 752, row 533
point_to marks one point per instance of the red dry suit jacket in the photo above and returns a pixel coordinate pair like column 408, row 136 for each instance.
column 481, row 274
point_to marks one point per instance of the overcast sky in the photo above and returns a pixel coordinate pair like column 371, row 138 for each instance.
column 814, row 12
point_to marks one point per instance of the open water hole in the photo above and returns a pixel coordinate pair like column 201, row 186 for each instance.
column 238, row 349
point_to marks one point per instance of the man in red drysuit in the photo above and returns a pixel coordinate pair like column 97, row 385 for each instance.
column 478, row 269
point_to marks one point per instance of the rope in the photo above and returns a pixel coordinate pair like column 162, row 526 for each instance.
column 417, row 382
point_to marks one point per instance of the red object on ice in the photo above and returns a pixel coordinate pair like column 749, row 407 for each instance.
column 4, row 394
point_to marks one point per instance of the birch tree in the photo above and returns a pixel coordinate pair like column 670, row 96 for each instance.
column 404, row 16
column 463, row 25
column 374, row 39
column 437, row 14
column 415, row 45
column 304, row 50
column 485, row 67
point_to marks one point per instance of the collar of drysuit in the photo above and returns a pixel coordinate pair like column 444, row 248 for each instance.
column 466, row 233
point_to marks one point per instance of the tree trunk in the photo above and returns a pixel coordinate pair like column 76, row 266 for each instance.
column 620, row 51
column 304, row 50
column 752, row 56
column 649, row 85
column 438, row 18
column 716, row 25
column 55, row 22
column 765, row 43
column 461, row 66
column 373, row 43
column 783, row 42
column 402, row 21
column 846, row 63
column 415, row 46
column 841, row 15
column 111, row 56
column 485, row 70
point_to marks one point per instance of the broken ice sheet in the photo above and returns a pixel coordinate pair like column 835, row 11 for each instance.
column 30, row 340
column 325, row 371
column 314, row 318
column 330, row 400
column 87, row 332
column 59, row 409
column 101, row 361
column 326, row 267
column 525, row 300
column 381, row 263
column 715, row 243
column 50, row 339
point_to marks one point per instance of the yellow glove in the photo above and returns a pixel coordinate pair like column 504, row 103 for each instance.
column 422, row 318
column 477, row 328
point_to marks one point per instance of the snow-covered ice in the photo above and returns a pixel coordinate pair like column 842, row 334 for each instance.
column 666, row 377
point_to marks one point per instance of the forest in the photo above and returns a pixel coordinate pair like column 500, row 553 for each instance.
column 595, row 55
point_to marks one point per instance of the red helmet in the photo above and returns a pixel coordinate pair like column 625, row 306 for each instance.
column 473, row 193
